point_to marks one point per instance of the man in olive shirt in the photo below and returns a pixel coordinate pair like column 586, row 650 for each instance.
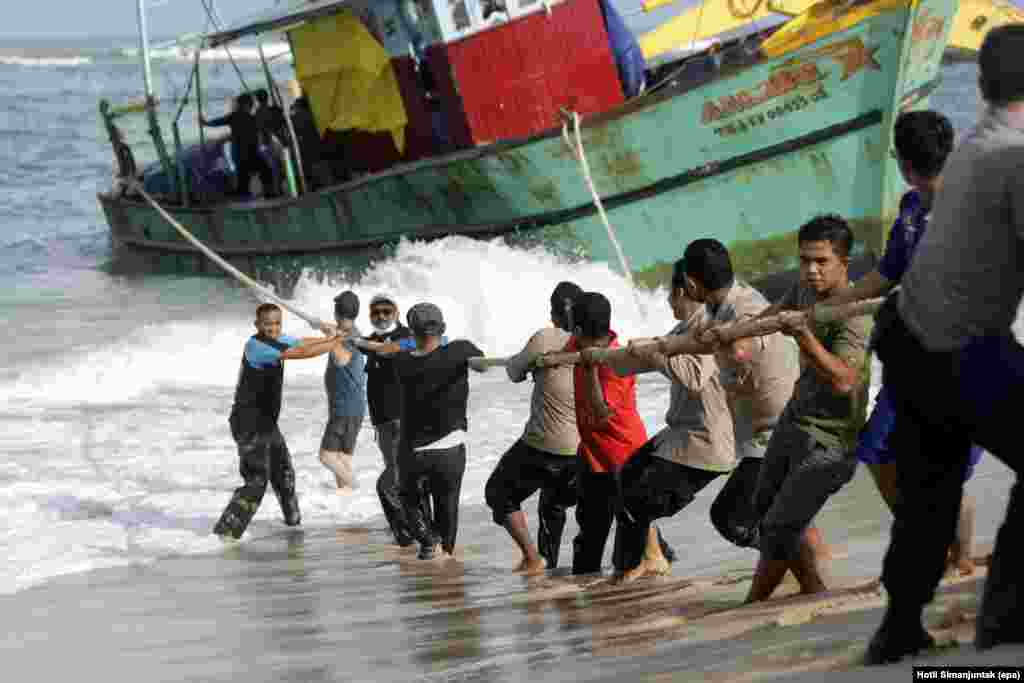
column 954, row 370
column 810, row 455
column 545, row 456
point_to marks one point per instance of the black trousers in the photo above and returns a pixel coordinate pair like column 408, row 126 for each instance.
column 262, row 458
column 595, row 511
column 733, row 514
column 652, row 488
column 442, row 469
column 247, row 166
column 519, row 474
column 945, row 401
column 388, row 485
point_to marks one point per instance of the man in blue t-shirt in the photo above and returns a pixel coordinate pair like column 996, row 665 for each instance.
column 922, row 140
column 262, row 451
column 345, row 380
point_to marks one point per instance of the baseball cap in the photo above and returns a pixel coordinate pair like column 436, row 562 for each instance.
column 426, row 319
column 346, row 305
column 592, row 314
column 382, row 298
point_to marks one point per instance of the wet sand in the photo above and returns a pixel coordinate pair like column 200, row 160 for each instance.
column 345, row 605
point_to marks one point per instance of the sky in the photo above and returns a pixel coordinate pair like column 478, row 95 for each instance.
column 166, row 18
column 116, row 17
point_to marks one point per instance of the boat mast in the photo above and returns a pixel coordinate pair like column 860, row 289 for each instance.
column 147, row 70
column 147, row 75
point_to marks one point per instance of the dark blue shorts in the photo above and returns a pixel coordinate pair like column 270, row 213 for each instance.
column 873, row 445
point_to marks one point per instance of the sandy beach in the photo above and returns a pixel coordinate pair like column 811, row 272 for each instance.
column 345, row 605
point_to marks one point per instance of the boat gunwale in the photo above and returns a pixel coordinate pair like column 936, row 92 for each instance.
column 867, row 119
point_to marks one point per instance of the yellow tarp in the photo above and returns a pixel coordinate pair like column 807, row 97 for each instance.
column 820, row 20
column 975, row 18
column 347, row 76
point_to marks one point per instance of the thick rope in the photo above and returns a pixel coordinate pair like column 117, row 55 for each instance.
column 581, row 157
column 687, row 344
column 313, row 321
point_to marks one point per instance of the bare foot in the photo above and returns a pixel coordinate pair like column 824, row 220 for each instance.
column 822, row 550
column 962, row 562
column 344, row 490
column 647, row 567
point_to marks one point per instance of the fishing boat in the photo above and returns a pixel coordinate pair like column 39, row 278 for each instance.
column 744, row 143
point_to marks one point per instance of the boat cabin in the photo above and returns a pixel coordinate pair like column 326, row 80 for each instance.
column 388, row 82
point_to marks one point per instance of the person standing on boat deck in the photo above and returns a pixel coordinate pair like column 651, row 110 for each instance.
column 389, row 337
column 610, row 429
column 308, row 138
column 270, row 119
column 345, row 380
column 665, row 474
column 262, row 452
column 758, row 375
column 544, row 457
column 922, row 140
column 954, row 371
column 273, row 134
column 245, row 139
column 810, row 454
column 433, row 385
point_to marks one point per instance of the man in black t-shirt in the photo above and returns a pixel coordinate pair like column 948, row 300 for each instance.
column 433, row 392
column 245, row 138
column 389, row 337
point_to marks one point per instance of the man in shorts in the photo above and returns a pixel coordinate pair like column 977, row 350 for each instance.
column 345, row 380
column 544, row 457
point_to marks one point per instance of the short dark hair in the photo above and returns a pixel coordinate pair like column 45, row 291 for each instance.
column 244, row 101
column 829, row 227
column 706, row 261
column 592, row 314
column 261, row 95
column 263, row 309
column 561, row 304
column 346, row 305
column 999, row 61
column 924, row 140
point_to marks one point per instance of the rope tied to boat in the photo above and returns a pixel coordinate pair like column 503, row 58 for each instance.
column 244, row 279
column 581, row 156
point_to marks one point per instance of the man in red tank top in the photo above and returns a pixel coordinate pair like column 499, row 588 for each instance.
column 610, row 429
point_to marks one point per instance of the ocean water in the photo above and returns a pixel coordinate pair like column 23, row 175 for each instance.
column 114, row 391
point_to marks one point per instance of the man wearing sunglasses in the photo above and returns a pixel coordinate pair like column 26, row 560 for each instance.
column 382, row 394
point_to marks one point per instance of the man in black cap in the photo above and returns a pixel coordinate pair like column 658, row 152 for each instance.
column 389, row 337
column 345, row 380
column 433, row 385
column 545, row 456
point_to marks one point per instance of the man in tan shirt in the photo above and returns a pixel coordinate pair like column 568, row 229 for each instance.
column 696, row 446
column 545, row 456
column 758, row 375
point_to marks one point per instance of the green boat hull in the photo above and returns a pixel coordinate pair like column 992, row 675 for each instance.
column 746, row 158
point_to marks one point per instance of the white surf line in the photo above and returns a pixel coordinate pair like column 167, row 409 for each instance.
column 312, row 320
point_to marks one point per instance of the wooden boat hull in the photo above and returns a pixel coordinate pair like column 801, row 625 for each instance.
column 746, row 157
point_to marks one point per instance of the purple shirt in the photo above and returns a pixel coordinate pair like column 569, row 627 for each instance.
column 904, row 237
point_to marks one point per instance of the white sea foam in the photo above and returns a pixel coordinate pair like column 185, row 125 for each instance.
column 12, row 60
column 182, row 53
column 121, row 454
